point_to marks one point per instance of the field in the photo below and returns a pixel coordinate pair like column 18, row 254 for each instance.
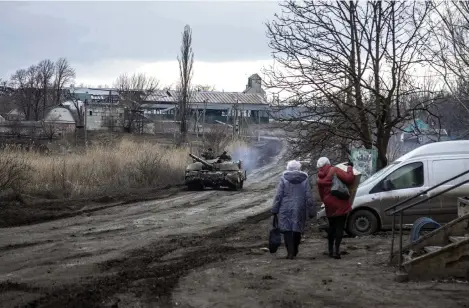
column 106, row 167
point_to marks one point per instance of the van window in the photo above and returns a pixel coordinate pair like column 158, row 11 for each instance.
column 378, row 174
column 407, row 176
column 444, row 169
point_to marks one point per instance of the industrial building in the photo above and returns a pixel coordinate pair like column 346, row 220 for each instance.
column 249, row 106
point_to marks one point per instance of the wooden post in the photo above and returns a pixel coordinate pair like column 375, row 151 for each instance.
column 203, row 120
column 175, row 141
column 85, row 122
column 258, row 125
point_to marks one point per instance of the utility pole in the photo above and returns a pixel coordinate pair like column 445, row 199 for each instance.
column 85, row 121
column 203, row 121
column 175, row 117
column 258, row 125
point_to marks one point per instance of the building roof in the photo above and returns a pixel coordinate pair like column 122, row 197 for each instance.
column 217, row 97
column 15, row 111
column 418, row 123
column 60, row 115
column 171, row 96
column 255, row 76
column 95, row 91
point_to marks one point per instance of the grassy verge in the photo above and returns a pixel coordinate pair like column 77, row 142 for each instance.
column 99, row 171
column 102, row 170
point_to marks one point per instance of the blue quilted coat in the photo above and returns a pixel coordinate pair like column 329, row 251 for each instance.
column 294, row 201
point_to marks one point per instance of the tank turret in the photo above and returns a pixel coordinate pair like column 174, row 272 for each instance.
column 200, row 160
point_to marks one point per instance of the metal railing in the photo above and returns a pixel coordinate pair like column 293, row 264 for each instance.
column 401, row 210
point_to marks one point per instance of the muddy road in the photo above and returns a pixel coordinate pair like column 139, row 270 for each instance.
column 199, row 249
column 81, row 259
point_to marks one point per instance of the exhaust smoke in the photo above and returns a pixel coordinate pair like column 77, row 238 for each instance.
column 256, row 155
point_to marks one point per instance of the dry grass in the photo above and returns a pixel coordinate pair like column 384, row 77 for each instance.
column 101, row 170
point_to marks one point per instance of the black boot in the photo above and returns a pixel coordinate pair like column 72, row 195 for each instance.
column 331, row 249
column 331, row 238
column 289, row 243
column 336, row 255
column 296, row 242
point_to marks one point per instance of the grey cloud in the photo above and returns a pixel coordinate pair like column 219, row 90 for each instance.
column 86, row 32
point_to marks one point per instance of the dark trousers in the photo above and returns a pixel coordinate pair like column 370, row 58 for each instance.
column 335, row 233
column 292, row 242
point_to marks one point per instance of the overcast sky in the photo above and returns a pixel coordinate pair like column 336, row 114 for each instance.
column 105, row 39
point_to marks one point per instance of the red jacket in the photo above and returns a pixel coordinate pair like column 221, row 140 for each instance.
column 333, row 205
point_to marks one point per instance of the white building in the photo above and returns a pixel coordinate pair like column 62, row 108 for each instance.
column 104, row 116
column 60, row 119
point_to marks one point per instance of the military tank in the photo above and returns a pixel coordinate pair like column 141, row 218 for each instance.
column 215, row 173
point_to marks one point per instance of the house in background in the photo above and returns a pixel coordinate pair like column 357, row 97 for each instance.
column 415, row 134
column 15, row 115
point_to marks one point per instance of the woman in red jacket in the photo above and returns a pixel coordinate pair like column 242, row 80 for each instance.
column 336, row 209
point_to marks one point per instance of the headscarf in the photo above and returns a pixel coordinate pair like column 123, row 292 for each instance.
column 323, row 161
column 293, row 165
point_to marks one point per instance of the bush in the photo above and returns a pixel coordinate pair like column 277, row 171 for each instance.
column 218, row 138
column 14, row 172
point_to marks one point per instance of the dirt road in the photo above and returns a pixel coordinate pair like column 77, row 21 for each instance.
column 198, row 249
column 65, row 254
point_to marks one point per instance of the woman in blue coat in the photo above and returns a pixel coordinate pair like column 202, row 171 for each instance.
column 293, row 204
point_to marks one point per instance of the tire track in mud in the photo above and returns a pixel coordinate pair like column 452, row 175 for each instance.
column 145, row 275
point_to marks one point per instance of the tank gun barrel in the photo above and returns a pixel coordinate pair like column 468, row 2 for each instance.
column 206, row 164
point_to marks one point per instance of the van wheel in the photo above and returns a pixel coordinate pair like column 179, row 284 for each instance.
column 362, row 222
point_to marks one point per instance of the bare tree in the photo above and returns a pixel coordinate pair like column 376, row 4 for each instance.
column 6, row 97
column 77, row 106
column 28, row 92
column 204, row 88
column 448, row 56
column 350, row 65
column 40, row 86
column 50, row 127
column 64, row 74
column 46, row 72
column 218, row 137
column 133, row 91
column 186, row 61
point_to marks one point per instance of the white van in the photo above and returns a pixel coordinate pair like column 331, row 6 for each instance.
column 409, row 175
